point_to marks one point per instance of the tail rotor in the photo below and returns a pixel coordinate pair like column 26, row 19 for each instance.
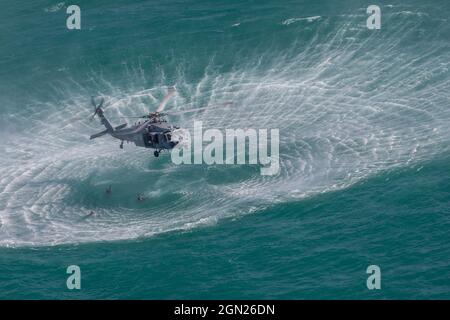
column 97, row 108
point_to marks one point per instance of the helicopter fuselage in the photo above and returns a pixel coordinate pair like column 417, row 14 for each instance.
column 154, row 132
column 148, row 134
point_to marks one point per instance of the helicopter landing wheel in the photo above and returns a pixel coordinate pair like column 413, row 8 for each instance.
column 156, row 153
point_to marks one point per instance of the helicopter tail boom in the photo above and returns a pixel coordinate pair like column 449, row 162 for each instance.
column 105, row 122
column 102, row 133
column 99, row 134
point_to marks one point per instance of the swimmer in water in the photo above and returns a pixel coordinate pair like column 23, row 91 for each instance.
column 109, row 189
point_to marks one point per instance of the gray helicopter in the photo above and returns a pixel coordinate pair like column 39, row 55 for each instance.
column 154, row 132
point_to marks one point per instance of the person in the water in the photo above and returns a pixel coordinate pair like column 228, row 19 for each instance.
column 140, row 197
column 109, row 189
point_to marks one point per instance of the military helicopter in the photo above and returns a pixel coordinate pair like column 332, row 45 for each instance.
column 154, row 132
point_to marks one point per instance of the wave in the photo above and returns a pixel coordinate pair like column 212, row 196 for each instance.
column 55, row 7
column 293, row 20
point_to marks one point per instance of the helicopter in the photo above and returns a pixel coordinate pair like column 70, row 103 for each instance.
column 154, row 132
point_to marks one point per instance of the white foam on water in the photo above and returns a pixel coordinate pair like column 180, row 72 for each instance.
column 293, row 20
column 55, row 8
column 346, row 109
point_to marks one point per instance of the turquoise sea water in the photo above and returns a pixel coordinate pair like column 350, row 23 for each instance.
column 364, row 150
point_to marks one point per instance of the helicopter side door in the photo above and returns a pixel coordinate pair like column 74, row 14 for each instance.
column 152, row 140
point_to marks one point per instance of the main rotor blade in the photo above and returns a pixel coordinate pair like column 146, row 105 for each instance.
column 224, row 106
column 125, row 117
column 162, row 105
column 221, row 106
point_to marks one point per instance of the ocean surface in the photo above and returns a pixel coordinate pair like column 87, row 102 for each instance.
column 364, row 122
